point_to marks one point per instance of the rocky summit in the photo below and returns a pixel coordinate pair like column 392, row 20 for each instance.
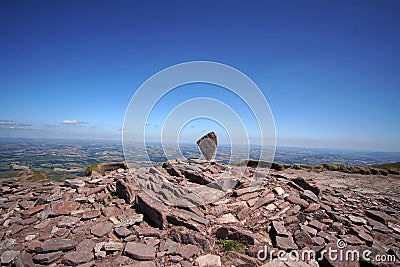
column 132, row 218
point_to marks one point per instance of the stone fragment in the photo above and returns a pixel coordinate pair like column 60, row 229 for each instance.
column 23, row 260
column 226, row 218
column 14, row 229
column 8, row 256
column 190, row 237
column 278, row 190
column 30, row 237
column 68, row 221
column 305, row 185
column 101, row 229
column 76, row 258
column 122, row 232
column 26, row 204
column 139, row 251
column 55, row 244
column 318, row 225
column 74, row 183
column 290, row 219
column 32, row 211
column 312, row 208
column 197, row 177
column 380, row 216
column 302, row 239
column 86, row 244
column 235, row 233
column 317, row 241
column 148, row 231
column 309, row 196
column 208, row 145
column 64, row 208
column 169, row 246
column 278, row 229
column 285, row 243
column 91, row 214
column 125, row 191
column 135, row 219
column 153, row 209
column 171, row 169
column 208, row 260
column 357, row 220
column 98, row 253
column 188, row 251
column 297, row 201
column 383, row 238
column 263, row 200
column 114, row 220
column 310, row 230
column 113, row 246
column 394, row 227
column 354, row 240
column 47, row 258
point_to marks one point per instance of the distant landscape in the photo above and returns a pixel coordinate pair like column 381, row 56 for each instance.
column 65, row 158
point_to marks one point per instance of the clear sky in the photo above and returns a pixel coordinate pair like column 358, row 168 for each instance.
column 330, row 70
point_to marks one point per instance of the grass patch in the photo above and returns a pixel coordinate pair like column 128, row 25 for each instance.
column 231, row 245
column 105, row 167
column 36, row 176
column 9, row 174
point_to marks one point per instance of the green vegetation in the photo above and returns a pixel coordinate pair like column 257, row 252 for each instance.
column 262, row 164
column 383, row 169
column 59, row 176
column 104, row 167
column 9, row 174
column 231, row 245
column 388, row 166
column 34, row 176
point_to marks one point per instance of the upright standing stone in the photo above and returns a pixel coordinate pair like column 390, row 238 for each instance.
column 208, row 145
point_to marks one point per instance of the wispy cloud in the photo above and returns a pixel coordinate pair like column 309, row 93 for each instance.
column 19, row 128
column 24, row 124
column 74, row 122
column 7, row 122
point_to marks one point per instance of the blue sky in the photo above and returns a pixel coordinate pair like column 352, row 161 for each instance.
column 330, row 70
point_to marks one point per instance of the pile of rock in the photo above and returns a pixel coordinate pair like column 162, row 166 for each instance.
column 109, row 220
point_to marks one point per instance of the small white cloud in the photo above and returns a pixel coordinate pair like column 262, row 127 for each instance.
column 7, row 122
column 74, row 122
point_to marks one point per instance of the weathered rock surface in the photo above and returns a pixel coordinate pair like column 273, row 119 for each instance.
column 108, row 220
column 139, row 251
column 208, row 145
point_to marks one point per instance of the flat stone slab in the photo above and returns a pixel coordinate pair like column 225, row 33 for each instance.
column 101, row 229
column 152, row 208
column 64, row 208
column 208, row 260
column 55, row 244
column 139, row 251
column 47, row 258
column 75, row 258
column 8, row 256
